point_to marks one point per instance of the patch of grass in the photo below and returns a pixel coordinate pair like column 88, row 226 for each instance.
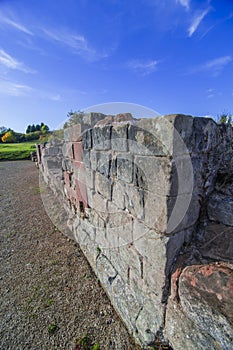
column 16, row 151
column 49, row 302
column 84, row 343
column 52, row 327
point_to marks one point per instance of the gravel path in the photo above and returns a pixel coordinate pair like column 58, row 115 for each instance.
column 49, row 297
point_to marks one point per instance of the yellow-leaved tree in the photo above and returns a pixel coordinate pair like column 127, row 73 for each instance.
column 9, row 137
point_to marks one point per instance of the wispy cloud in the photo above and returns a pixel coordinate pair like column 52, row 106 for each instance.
column 184, row 3
column 11, row 63
column 214, row 66
column 11, row 88
column 143, row 67
column 78, row 43
column 14, row 24
column 197, row 20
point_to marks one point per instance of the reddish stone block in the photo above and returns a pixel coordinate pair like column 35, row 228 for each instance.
column 81, row 193
column 73, row 196
column 78, row 151
column 67, row 178
column 80, row 171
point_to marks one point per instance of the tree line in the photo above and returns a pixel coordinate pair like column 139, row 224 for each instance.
column 33, row 132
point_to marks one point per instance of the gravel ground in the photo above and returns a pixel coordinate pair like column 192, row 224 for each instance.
column 49, row 296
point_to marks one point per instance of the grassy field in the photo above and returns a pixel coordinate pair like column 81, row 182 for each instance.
column 16, row 151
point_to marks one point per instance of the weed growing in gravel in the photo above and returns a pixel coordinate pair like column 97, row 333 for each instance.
column 52, row 327
column 96, row 347
column 49, row 302
column 84, row 343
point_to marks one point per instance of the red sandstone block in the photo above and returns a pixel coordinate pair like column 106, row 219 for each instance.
column 73, row 196
column 67, row 178
column 81, row 192
column 78, row 151
column 80, row 171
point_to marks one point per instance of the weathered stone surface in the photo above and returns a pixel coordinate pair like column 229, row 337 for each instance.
column 101, row 138
column 156, row 212
column 67, row 165
column 92, row 118
column 153, row 174
column 101, row 162
column 118, row 196
column 119, row 140
column 125, row 167
column 220, row 209
column 125, row 302
column 106, row 121
column 67, row 150
column 217, row 242
column 183, row 333
column 73, row 133
column 103, row 185
column 78, row 151
column 144, row 142
column 206, row 294
column 149, row 320
column 54, row 164
column 87, row 139
column 123, row 117
column 134, row 200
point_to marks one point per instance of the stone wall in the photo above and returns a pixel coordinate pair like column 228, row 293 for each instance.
column 141, row 198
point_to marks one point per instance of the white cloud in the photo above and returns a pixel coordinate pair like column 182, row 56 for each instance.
column 12, row 23
column 184, row 3
column 143, row 67
column 10, row 88
column 10, row 62
column 78, row 43
column 196, row 21
column 216, row 65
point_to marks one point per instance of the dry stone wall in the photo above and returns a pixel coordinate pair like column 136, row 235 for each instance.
column 139, row 196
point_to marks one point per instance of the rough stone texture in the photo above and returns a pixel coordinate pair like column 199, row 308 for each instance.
column 137, row 194
column 220, row 208
column 206, row 300
column 217, row 242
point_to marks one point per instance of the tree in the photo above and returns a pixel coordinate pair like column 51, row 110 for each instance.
column 9, row 137
column 33, row 128
column 28, row 130
column 74, row 118
column 45, row 128
column 3, row 130
column 225, row 118
column 38, row 127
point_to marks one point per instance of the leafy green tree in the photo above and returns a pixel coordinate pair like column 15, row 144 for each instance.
column 45, row 128
column 74, row 118
column 38, row 127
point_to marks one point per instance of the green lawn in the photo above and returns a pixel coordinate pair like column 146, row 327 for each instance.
column 16, row 151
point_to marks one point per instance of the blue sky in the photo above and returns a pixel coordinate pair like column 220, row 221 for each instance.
column 174, row 56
